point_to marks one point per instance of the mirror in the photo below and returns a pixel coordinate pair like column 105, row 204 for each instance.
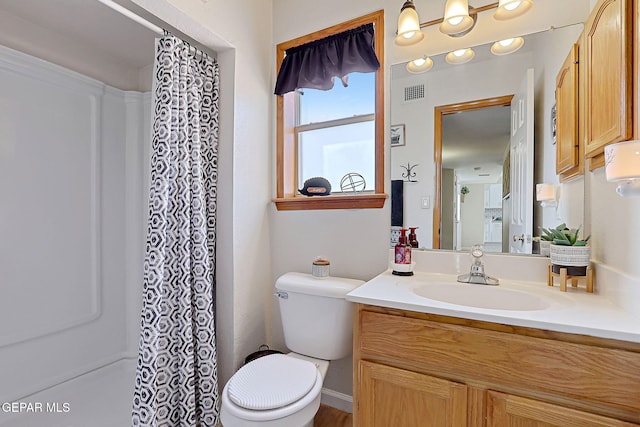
column 465, row 109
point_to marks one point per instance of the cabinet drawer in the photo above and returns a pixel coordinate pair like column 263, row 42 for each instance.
column 608, row 379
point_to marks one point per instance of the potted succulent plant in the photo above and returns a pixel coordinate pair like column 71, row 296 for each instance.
column 567, row 250
column 544, row 241
column 463, row 192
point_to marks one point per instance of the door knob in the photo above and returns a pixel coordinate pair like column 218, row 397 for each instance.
column 519, row 238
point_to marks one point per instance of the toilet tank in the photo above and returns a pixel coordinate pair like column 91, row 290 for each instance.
column 316, row 318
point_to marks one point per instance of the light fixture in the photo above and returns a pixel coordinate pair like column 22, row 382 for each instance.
column 456, row 21
column 546, row 195
column 459, row 18
column 460, row 56
column 408, row 25
column 508, row 9
column 622, row 165
column 420, row 65
column 507, row 46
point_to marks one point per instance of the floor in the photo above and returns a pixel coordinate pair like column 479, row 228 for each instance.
column 77, row 404
column 331, row 417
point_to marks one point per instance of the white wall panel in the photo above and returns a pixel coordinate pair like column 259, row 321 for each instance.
column 63, row 211
column 49, row 182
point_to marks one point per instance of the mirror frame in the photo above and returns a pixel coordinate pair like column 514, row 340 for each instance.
column 439, row 112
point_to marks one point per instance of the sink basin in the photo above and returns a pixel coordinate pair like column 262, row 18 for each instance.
column 481, row 296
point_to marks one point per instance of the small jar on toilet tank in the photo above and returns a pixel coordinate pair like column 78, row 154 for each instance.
column 320, row 267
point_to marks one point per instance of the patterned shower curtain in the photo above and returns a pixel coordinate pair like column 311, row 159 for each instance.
column 176, row 378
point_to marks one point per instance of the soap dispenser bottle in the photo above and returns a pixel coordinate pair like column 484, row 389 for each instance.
column 402, row 249
column 413, row 238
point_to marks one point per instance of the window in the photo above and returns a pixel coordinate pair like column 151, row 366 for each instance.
column 331, row 133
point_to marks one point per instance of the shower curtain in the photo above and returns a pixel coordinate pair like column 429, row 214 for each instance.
column 176, row 377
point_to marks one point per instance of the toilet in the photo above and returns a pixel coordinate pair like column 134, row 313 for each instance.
column 284, row 390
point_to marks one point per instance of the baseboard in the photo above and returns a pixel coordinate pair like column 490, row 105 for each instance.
column 337, row 400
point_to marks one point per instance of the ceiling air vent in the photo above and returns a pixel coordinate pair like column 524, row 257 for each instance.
column 414, row 93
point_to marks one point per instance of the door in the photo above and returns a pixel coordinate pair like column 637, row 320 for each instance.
column 521, row 176
column 399, row 398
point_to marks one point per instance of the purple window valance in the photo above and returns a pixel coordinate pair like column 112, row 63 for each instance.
column 315, row 64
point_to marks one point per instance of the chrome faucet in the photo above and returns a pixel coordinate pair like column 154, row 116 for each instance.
column 477, row 275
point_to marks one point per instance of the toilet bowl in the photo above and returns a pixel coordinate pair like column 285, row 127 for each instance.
column 284, row 390
column 274, row 391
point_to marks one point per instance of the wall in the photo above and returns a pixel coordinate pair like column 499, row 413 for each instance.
column 64, row 223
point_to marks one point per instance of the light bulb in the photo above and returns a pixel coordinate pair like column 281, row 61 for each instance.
column 420, row 65
column 460, row 56
column 508, row 9
column 455, row 20
column 512, row 5
column 507, row 46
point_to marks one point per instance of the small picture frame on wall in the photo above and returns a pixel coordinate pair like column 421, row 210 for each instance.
column 397, row 135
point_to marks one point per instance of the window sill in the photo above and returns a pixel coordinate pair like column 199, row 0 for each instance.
column 364, row 201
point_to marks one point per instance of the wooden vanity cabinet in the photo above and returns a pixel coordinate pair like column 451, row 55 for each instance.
column 609, row 77
column 416, row 369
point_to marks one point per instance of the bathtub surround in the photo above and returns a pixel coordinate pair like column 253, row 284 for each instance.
column 176, row 377
column 67, row 187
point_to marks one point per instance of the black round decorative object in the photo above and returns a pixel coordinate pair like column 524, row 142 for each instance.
column 353, row 182
column 317, row 186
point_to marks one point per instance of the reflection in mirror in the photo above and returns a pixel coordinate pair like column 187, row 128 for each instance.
column 475, row 145
column 415, row 100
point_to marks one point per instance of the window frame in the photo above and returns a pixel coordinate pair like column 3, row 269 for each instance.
column 286, row 149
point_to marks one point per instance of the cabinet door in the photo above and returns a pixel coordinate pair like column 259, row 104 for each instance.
column 495, row 196
column 609, row 41
column 508, row 410
column 487, row 197
column 567, row 113
column 395, row 397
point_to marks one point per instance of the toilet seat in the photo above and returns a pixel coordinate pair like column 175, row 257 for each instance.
column 308, row 401
column 272, row 382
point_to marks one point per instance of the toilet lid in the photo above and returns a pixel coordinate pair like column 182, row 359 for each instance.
column 271, row 382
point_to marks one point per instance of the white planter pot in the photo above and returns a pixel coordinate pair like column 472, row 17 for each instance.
column 545, row 247
column 575, row 256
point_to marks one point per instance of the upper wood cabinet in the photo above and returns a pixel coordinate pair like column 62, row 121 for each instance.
column 567, row 119
column 609, row 76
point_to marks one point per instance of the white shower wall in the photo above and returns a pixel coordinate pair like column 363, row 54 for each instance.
column 73, row 196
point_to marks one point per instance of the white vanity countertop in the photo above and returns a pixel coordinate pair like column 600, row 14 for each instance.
column 575, row 311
